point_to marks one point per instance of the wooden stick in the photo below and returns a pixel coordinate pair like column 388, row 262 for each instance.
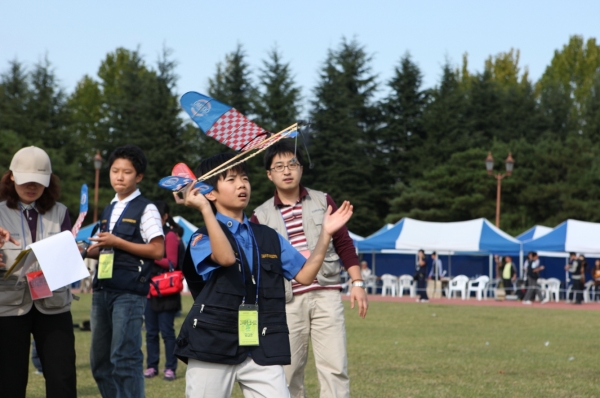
column 227, row 165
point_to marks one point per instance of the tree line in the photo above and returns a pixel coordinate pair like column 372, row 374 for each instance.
column 394, row 148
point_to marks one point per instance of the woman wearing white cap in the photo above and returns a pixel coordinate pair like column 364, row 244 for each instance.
column 29, row 212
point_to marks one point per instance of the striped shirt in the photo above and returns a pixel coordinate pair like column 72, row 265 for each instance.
column 292, row 217
column 151, row 225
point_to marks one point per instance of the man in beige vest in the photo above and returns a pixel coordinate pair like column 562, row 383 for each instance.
column 315, row 311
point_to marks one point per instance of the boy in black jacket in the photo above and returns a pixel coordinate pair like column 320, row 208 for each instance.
column 130, row 238
column 237, row 330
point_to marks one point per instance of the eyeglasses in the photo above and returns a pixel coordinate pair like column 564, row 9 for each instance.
column 291, row 166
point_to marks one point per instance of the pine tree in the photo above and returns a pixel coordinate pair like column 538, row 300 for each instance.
column 232, row 84
column 444, row 122
column 277, row 106
column 278, row 103
column 403, row 134
column 344, row 119
column 15, row 96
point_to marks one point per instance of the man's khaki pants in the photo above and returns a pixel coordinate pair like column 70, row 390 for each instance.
column 318, row 315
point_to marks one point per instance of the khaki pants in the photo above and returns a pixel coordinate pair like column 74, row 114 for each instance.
column 215, row 380
column 318, row 315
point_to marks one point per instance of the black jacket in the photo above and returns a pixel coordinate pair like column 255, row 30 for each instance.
column 210, row 330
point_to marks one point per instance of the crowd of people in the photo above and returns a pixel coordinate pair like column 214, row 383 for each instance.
column 263, row 287
column 526, row 289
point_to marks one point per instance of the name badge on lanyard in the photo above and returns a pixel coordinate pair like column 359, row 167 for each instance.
column 105, row 263
column 106, row 259
column 248, row 325
column 248, row 313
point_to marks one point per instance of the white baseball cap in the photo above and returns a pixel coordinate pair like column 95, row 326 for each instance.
column 31, row 164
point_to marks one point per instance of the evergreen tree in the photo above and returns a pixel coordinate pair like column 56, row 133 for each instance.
column 273, row 107
column 15, row 96
column 403, row 134
column 277, row 107
column 444, row 122
column 278, row 102
column 344, row 121
column 232, row 84
column 33, row 113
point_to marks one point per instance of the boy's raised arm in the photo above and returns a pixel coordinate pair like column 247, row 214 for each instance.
column 331, row 223
column 222, row 252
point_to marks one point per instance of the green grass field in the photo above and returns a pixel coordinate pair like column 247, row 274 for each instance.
column 429, row 350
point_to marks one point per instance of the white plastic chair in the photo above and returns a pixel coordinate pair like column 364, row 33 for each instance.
column 541, row 282
column 587, row 292
column 371, row 283
column 389, row 283
column 552, row 288
column 458, row 284
column 478, row 286
column 407, row 282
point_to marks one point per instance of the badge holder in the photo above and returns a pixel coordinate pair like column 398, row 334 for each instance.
column 105, row 263
column 248, row 325
column 38, row 287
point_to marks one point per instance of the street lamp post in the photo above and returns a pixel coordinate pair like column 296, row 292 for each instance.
column 489, row 165
column 97, row 165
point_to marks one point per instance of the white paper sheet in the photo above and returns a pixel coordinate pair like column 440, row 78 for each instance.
column 60, row 260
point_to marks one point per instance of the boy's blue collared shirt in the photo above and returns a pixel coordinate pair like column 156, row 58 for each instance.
column 292, row 261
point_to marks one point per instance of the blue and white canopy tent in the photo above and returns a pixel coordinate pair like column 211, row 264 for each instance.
column 533, row 233
column 355, row 238
column 576, row 236
column 570, row 236
column 475, row 237
column 549, row 259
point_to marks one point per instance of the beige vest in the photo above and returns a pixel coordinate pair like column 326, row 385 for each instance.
column 15, row 298
column 314, row 206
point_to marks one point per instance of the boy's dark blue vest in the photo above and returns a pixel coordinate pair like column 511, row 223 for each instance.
column 131, row 274
column 210, row 330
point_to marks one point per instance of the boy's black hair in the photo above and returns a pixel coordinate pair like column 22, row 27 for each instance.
column 282, row 147
column 133, row 153
column 212, row 163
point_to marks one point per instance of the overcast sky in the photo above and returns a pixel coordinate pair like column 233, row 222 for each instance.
column 77, row 35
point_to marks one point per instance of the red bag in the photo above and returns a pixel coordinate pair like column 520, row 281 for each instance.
column 166, row 284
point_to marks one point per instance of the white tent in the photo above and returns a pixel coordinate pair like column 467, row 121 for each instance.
column 534, row 232
column 478, row 236
column 570, row 236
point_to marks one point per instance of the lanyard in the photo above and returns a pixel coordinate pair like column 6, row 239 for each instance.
column 118, row 222
column 243, row 266
column 37, row 232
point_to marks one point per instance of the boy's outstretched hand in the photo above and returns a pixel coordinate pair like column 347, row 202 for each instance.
column 333, row 222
